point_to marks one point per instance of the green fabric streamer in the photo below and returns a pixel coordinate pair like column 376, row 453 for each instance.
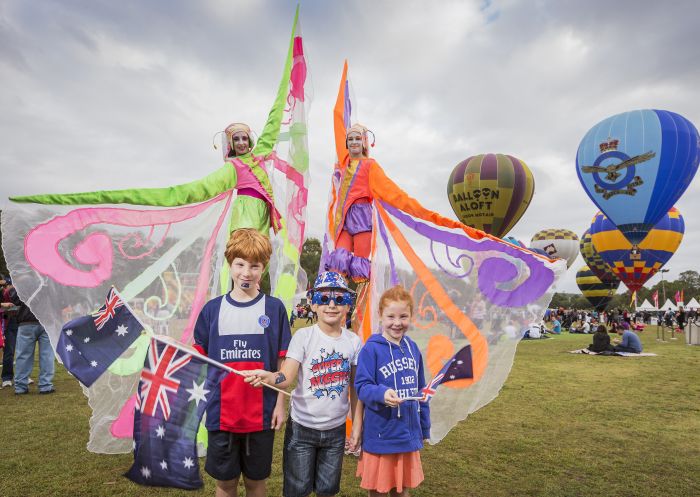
column 210, row 186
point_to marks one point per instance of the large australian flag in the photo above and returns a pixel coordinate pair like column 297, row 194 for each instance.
column 458, row 367
column 88, row 345
column 172, row 395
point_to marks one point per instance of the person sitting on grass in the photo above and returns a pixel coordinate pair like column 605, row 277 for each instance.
column 630, row 341
column 585, row 328
column 556, row 326
column 601, row 340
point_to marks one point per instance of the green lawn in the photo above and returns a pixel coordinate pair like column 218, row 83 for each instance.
column 563, row 425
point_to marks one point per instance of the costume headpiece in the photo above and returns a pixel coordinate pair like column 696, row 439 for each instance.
column 227, row 136
column 363, row 130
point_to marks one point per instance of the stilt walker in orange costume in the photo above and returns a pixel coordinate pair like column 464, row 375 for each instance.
column 381, row 237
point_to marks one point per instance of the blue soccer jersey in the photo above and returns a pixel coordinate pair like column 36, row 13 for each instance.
column 242, row 335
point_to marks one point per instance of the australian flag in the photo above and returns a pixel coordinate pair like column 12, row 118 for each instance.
column 171, row 398
column 88, row 345
column 457, row 368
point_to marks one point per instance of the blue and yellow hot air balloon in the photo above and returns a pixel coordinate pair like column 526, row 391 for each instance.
column 636, row 165
column 634, row 265
column 599, row 294
column 595, row 262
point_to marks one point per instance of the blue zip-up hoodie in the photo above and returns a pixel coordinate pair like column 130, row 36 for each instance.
column 381, row 366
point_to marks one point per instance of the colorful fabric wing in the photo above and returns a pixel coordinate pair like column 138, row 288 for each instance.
column 290, row 182
column 163, row 248
column 470, row 288
column 165, row 262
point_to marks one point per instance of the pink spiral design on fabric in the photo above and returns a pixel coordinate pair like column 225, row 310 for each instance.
column 41, row 245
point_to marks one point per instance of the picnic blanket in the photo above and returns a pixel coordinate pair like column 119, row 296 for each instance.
column 608, row 353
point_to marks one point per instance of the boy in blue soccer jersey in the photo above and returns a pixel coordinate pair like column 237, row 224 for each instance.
column 244, row 329
column 322, row 358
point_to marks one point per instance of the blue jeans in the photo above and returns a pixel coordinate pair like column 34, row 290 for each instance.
column 313, row 460
column 27, row 336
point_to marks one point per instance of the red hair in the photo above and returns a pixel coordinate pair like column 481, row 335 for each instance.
column 396, row 294
column 248, row 244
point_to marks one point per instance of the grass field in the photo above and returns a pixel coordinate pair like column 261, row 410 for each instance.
column 563, row 425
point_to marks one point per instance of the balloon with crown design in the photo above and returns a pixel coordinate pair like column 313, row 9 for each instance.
column 636, row 165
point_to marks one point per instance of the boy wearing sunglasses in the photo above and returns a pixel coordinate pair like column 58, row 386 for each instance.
column 323, row 359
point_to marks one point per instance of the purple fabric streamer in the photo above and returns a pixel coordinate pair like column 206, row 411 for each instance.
column 385, row 238
column 456, row 264
column 493, row 270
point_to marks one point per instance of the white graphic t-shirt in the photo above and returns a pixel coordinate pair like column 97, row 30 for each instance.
column 320, row 399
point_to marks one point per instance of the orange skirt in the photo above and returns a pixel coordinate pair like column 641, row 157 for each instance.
column 382, row 472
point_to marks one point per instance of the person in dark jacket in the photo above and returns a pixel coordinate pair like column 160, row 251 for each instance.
column 601, row 340
column 9, row 317
column 29, row 332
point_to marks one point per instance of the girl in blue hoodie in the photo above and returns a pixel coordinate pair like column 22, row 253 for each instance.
column 388, row 380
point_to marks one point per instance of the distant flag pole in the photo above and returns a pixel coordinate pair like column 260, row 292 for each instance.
column 189, row 350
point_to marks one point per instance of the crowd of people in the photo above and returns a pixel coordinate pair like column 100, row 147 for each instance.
column 620, row 321
column 303, row 311
column 582, row 321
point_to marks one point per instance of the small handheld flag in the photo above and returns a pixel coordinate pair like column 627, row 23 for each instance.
column 457, row 368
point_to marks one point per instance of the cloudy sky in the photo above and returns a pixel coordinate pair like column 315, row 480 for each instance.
column 104, row 94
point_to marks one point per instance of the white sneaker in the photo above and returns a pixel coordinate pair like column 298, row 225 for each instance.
column 6, row 383
column 29, row 381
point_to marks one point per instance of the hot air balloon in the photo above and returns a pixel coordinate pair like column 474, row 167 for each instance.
column 636, row 165
column 490, row 192
column 595, row 262
column 635, row 265
column 599, row 294
column 557, row 243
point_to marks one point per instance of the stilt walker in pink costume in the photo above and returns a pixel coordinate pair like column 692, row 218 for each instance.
column 163, row 248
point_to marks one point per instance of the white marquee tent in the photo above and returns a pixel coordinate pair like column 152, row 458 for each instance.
column 693, row 304
column 669, row 305
column 646, row 306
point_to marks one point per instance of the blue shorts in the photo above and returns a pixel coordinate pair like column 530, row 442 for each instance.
column 313, row 460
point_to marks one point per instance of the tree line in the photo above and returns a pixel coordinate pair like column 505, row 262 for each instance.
column 688, row 282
